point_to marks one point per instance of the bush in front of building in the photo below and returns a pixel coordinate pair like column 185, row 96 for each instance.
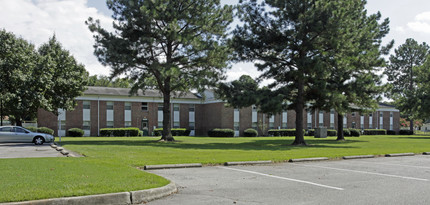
column 310, row 132
column 75, row 132
column 355, row 132
column 374, row 132
column 283, row 132
column 346, row 132
column 119, row 132
column 406, row 132
column 45, row 130
column 174, row 131
column 217, row 132
column 331, row 133
column 391, row 132
column 250, row 132
column 33, row 129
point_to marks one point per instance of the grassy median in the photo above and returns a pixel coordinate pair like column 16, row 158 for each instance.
column 110, row 163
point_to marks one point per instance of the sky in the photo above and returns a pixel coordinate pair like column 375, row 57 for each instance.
column 37, row 20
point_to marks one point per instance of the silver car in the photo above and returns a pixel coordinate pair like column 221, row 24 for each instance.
column 20, row 134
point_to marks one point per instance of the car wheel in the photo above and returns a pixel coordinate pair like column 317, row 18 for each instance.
column 39, row 140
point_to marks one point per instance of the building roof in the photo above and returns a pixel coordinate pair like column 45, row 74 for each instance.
column 94, row 90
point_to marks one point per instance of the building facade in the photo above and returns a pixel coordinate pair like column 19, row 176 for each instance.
column 101, row 107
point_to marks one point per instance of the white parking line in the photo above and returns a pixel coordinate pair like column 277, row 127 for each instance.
column 284, row 178
column 364, row 172
column 402, row 165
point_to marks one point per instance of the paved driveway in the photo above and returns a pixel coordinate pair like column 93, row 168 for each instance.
column 26, row 150
column 401, row 180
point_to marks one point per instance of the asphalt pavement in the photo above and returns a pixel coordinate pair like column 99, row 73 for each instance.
column 27, row 150
column 396, row 180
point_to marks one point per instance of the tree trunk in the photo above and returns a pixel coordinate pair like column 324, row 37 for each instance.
column 340, row 127
column 411, row 126
column 1, row 111
column 18, row 121
column 166, row 135
column 300, row 140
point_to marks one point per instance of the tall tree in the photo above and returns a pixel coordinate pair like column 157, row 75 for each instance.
column 173, row 46
column 402, row 75
column 354, row 84
column 290, row 42
column 20, row 97
column 63, row 77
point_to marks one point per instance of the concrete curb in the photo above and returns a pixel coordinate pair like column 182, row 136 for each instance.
column 400, row 154
column 358, row 157
column 308, row 159
column 171, row 166
column 426, row 153
column 144, row 196
column 133, row 197
column 247, row 163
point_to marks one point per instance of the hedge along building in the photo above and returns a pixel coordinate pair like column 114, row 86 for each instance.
column 103, row 107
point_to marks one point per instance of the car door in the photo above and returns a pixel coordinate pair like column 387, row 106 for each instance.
column 7, row 134
column 22, row 136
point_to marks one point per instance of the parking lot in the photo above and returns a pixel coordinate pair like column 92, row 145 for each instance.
column 396, row 180
column 26, row 150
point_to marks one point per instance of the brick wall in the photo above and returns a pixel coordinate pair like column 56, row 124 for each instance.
column 118, row 114
column 47, row 119
column 74, row 119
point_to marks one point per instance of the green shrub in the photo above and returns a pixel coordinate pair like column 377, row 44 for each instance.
column 331, row 133
column 174, row 131
column 406, row 132
column 283, row 132
column 217, row 132
column 75, row 132
column 119, row 132
column 310, row 132
column 32, row 129
column 346, row 132
column 375, row 132
column 45, row 130
column 250, row 132
column 355, row 132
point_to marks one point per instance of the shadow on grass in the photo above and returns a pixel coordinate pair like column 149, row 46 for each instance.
column 276, row 144
column 417, row 138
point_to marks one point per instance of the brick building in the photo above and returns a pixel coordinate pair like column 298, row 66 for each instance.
column 102, row 107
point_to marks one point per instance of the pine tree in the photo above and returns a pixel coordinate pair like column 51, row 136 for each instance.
column 402, row 75
column 173, row 46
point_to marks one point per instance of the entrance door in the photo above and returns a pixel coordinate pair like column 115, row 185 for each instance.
column 145, row 127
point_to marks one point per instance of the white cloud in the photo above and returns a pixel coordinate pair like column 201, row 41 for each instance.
column 37, row 20
column 421, row 23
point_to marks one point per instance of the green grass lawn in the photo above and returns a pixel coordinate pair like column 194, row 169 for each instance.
column 110, row 163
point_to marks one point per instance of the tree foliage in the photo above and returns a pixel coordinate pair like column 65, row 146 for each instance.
column 297, row 43
column 405, row 80
column 173, row 46
column 49, row 78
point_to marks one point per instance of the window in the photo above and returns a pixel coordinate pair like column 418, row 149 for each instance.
column 160, row 124
column 127, row 124
column 175, row 107
column 255, row 125
column 127, row 106
column 362, row 126
column 86, row 125
column 109, row 124
column 62, row 125
column 370, row 115
column 176, row 124
column 6, row 129
column 353, row 125
column 331, row 125
column 284, row 125
column 192, row 125
column 87, row 105
column 381, row 115
column 236, row 126
column 19, row 130
column 160, row 107
column 391, row 114
column 109, row 105
column 144, row 106
column 353, row 114
column 309, row 125
column 271, row 125
column 191, row 108
column 370, row 126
